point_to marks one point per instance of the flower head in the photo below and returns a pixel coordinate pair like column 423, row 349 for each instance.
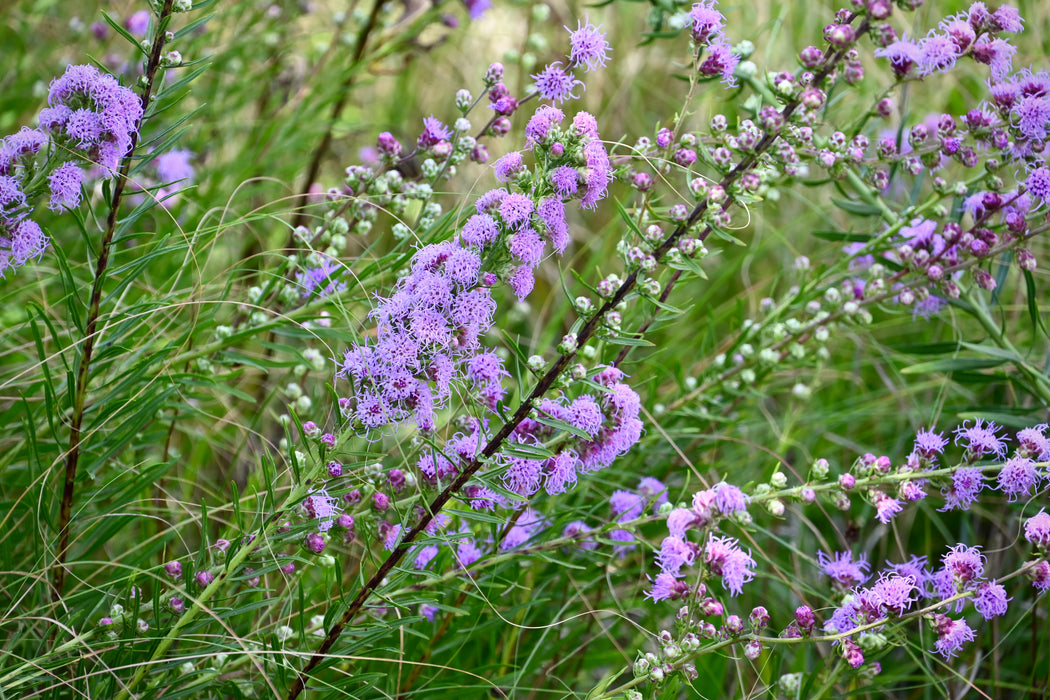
column 556, row 84
column 589, row 47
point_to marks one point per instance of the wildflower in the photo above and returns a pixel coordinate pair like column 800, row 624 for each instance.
column 842, row 570
column 674, row 554
column 173, row 569
column 1031, row 442
column 434, row 132
column 1018, row 476
column 508, row 166
column 665, row 586
column 65, row 182
column 967, row 482
column 729, row 499
column 546, row 118
column 929, row 444
column 990, row 600
column 980, row 439
column 706, row 22
column 720, row 61
column 951, row 635
column 938, row 54
column 1037, row 529
column 556, row 84
column 903, row 55
column 589, row 47
column 725, row 558
column 965, row 564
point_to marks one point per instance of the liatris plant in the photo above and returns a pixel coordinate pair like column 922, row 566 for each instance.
column 669, row 350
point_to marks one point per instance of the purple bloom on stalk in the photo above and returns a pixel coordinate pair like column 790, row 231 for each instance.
column 434, row 132
column 929, row 444
column 521, row 281
column 626, row 505
column 1037, row 529
column 967, row 482
column 516, row 209
column 588, row 46
column 653, row 490
column 903, row 55
column 965, row 564
column 980, row 439
column 21, row 241
column 480, row 230
column 322, row 279
column 546, row 118
column 1032, row 443
column 65, row 182
column 674, row 554
column 598, row 174
column 138, row 23
column 725, row 558
column 951, row 635
column 729, row 499
column 566, row 180
column 1018, row 477
column 665, row 586
column 556, row 84
column 990, row 600
column 174, row 166
column 706, row 22
column 914, row 569
column 1038, row 183
column 885, row 506
column 720, row 61
column 842, row 570
column 938, row 54
column 508, row 166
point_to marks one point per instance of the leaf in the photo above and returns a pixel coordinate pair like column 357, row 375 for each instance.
column 842, row 236
column 953, row 364
column 858, row 208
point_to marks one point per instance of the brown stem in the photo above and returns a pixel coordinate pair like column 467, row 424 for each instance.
column 589, row 330
column 90, row 328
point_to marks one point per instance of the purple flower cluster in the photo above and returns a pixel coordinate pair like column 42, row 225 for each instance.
column 428, row 335
column 901, row 586
column 589, row 50
column 722, row 555
column 707, row 28
column 89, row 114
column 974, row 33
column 605, row 427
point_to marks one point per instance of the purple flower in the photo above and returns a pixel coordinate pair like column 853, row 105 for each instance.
column 508, row 166
column 1032, row 443
column 929, row 444
column 434, row 132
column 1018, row 477
column 965, row 564
column 938, row 54
column 706, row 22
column 1038, row 183
column 980, row 439
column 674, row 554
column 903, row 54
column 599, row 174
column 516, row 209
column 967, row 482
column 322, row 279
column 842, row 570
column 1032, row 116
column 1037, row 529
column 527, row 246
column 476, row 8
column 547, row 117
column 951, row 635
column 588, row 46
column 653, row 490
column 566, row 180
column 65, row 182
column 885, row 506
column 990, row 600
column 626, row 505
column 138, row 23
column 729, row 499
column 667, row 587
column 725, row 558
column 720, row 61
column 556, row 84
column 174, row 166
